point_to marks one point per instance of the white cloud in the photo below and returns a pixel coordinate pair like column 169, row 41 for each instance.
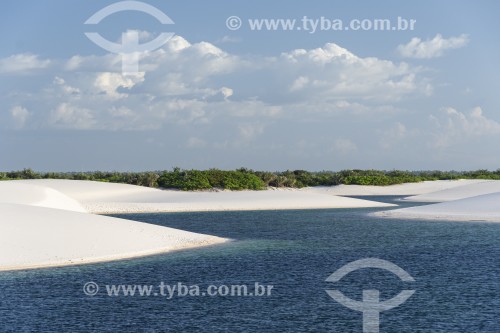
column 65, row 87
column 176, row 44
column 131, row 35
column 452, row 126
column 324, row 55
column 201, row 83
column 109, row 62
column 19, row 116
column 226, row 92
column 69, row 116
column 299, row 83
column 333, row 72
column 22, row 63
column 431, row 48
column 110, row 82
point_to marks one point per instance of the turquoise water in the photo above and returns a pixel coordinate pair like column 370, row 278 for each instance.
column 456, row 267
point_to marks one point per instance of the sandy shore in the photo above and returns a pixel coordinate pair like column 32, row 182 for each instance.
column 470, row 202
column 412, row 189
column 45, row 223
column 460, row 192
column 106, row 198
column 34, row 237
column 43, row 227
column 476, row 209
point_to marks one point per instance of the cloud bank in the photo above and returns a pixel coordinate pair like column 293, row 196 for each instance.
column 198, row 83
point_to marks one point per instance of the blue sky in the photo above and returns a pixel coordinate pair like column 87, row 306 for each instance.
column 273, row 100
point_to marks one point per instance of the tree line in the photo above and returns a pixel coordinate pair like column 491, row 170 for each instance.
column 246, row 179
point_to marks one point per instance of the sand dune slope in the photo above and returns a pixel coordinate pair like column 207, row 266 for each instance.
column 42, row 237
column 479, row 208
column 47, row 223
column 399, row 189
column 83, row 190
column 459, row 192
column 37, row 195
column 121, row 198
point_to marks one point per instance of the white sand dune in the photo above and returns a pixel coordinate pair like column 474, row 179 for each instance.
column 460, row 192
column 45, row 223
column 82, row 190
column 463, row 200
column 105, row 198
column 32, row 237
column 36, row 195
column 41, row 226
column 399, row 189
column 479, row 208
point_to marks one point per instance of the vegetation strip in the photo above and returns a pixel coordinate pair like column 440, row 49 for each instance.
column 246, row 179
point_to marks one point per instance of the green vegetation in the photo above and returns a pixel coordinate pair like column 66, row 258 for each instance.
column 245, row 179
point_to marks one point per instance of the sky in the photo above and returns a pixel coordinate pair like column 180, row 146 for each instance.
column 220, row 93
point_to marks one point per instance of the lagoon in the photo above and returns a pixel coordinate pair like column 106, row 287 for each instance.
column 455, row 266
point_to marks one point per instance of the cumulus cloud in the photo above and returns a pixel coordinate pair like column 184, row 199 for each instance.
column 65, row 87
column 185, row 82
column 19, row 116
column 452, row 126
column 22, row 63
column 334, row 72
column 69, row 116
column 299, row 83
column 131, row 36
column 226, row 92
column 431, row 48
column 110, row 83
